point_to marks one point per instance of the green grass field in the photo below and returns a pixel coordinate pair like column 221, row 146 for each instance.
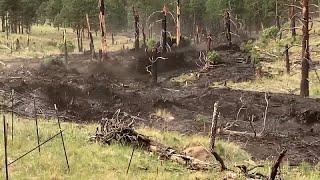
column 96, row 161
column 45, row 39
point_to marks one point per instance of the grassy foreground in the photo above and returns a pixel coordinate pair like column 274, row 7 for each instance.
column 96, row 161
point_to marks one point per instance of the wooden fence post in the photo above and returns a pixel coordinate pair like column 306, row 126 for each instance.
column 5, row 138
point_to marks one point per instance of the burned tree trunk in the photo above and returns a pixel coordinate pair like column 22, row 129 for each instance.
column 287, row 58
column 136, row 28
column 197, row 35
column 112, row 38
column 93, row 54
column 3, row 24
column 65, row 47
column 144, row 38
column 154, row 65
column 228, row 27
column 178, row 23
column 292, row 19
column 102, row 22
column 164, row 30
column 78, row 39
column 304, row 86
column 277, row 17
column 81, row 40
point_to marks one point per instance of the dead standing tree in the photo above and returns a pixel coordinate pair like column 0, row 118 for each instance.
column 292, row 19
column 91, row 44
column 65, row 46
column 178, row 23
column 304, row 86
column 136, row 27
column 102, row 29
column 164, row 30
column 227, row 20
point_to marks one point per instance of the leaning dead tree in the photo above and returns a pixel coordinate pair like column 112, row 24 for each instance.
column 102, row 23
column 276, row 166
column 120, row 129
column 304, row 86
column 136, row 28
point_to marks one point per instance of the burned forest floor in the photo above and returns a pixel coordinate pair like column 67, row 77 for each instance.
column 182, row 101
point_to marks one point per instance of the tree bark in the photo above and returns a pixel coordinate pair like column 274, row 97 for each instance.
column 102, row 22
column 164, row 30
column 136, row 27
column 91, row 44
column 228, row 27
column 287, row 58
column 304, row 86
column 292, row 19
column 178, row 23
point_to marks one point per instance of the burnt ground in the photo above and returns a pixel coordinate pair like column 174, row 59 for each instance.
column 88, row 91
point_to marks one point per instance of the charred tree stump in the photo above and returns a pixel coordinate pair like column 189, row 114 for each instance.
column 136, row 28
column 18, row 44
column 304, row 86
column 228, row 27
column 112, row 38
column 102, row 22
column 209, row 42
column 292, row 19
column 178, row 23
column 287, row 58
column 28, row 40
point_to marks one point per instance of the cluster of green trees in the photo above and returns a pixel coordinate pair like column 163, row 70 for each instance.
column 21, row 14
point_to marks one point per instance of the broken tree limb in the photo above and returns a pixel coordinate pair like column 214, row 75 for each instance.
column 119, row 129
column 214, row 128
column 275, row 167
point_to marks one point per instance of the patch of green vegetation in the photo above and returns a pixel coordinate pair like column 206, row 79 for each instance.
column 213, row 57
column 270, row 33
column 151, row 43
column 70, row 47
column 96, row 161
column 186, row 78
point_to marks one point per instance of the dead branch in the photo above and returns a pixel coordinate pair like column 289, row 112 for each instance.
column 265, row 115
column 274, row 170
column 119, row 129
column 214, row 128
